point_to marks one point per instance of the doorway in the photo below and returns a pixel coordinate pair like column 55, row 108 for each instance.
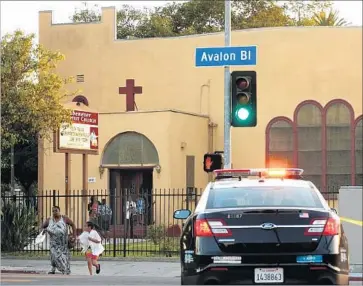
column 131, row 197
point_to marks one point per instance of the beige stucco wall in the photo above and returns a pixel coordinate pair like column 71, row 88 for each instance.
column 294, row 64
column 167, row 130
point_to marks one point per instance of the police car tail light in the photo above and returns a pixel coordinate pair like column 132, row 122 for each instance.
column 322, row 226
column 269, row 173
column 214, row 227
column 332, row 227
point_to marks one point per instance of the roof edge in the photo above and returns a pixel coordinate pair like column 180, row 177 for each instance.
column 156, row 111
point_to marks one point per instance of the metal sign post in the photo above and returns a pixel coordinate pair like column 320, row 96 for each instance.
column 227, row 87
column 226, row 56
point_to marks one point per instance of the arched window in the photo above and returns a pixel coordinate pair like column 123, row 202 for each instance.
column 358, row 152
column 338, row 144
column 308, row 120
column 80, row 99
column 280, row 145
column 130, row 148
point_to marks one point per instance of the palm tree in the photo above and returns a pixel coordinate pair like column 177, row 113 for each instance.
column 330, row 19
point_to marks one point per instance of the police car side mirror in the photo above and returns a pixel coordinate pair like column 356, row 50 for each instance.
column 334, row 210
column 182, row 214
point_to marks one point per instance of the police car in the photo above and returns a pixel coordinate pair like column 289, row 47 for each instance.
column 262, row 226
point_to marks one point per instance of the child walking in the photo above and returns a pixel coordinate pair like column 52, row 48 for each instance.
column 95, row 248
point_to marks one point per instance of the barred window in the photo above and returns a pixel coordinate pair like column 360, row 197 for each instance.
column 281, row 146
column 309, row 141
column 130, row 148
column 339, row 153
column 358, row 153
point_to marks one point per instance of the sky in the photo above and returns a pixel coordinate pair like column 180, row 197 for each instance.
column 24, row 14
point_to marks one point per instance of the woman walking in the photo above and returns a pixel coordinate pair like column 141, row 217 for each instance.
column 57, row 228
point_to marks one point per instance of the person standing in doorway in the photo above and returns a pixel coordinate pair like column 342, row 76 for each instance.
column 130, row 211
column 57, row 228
column 93, row 208
column 105, row 215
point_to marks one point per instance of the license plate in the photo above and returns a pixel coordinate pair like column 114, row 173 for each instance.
column 269, row 275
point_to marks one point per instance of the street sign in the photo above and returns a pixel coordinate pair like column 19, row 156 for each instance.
column 226, row 56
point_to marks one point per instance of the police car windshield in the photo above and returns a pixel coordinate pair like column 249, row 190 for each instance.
column 283, row 196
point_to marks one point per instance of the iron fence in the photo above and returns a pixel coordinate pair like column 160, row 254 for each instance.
column 130, row 223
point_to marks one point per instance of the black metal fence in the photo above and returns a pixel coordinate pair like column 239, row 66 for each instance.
column 130, row 223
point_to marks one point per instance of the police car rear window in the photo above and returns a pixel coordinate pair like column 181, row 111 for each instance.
column 263, row 197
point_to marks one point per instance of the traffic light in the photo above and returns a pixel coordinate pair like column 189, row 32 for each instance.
column 212, row 162
column 244, row 99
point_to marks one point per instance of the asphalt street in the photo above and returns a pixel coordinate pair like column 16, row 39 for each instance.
column 36, row 279
column 16, row 272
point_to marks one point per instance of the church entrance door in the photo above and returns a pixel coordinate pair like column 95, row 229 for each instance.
column 130, row 158
column 131, row 200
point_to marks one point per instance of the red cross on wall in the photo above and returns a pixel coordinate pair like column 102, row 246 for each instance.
column 130, row 90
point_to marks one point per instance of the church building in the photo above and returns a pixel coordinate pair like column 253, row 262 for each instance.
column 151, row 114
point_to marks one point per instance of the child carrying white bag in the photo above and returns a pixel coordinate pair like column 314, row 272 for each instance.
column 90, row 241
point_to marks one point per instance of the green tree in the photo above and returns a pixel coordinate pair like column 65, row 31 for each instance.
column 267, row 15
column 186, row 18
column 86, row 14
column 302, row 11
column 25, row 166
column 155, row 26
column 129, row 20
column 31, row 108
column 201, row 16
column 172, row 14
column 31, row 91
column 329, row 19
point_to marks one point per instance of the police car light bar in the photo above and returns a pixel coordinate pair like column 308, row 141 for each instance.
column 269, row 173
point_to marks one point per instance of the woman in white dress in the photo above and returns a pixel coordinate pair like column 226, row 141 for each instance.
column 95, row 248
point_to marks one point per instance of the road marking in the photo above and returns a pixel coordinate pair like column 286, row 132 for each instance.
column 352, row 221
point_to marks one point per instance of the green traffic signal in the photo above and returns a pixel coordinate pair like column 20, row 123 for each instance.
column 243, row 99
column 242, row 113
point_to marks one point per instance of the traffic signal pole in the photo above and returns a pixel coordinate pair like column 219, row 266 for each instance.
column 227, row 87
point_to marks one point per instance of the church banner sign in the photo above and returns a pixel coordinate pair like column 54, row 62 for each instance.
column 81, row 136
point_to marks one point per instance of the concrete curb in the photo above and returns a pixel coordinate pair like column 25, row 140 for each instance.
column 356, row 277
column 12, row 271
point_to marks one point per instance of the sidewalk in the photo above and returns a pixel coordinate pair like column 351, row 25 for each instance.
column 108, row 268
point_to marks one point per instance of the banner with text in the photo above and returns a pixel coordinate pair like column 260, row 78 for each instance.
column 82, row 134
